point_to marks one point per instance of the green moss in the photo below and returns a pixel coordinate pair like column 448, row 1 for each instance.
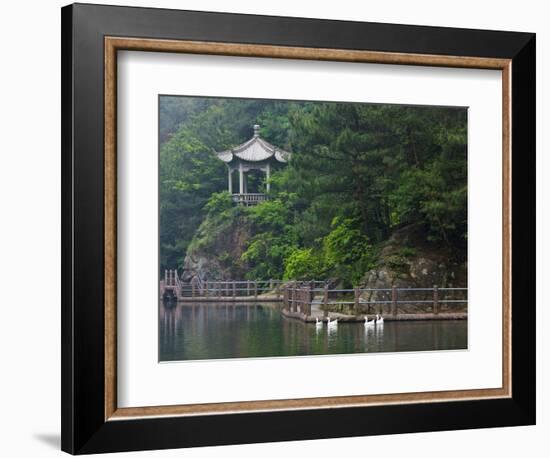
column 407, row 252
column 397, row 262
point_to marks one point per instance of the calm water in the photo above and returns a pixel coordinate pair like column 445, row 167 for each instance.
column 210, row 331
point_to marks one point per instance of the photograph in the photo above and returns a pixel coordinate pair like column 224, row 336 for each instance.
column 275, row 229
column 299, row 228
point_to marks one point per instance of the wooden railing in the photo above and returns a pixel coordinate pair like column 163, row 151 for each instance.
column 299, row 297
column 170, row 286
column 250, row 198
column 171, row 279
column 232, row 288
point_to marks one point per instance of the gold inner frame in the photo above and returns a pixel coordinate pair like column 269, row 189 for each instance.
column 114, row 44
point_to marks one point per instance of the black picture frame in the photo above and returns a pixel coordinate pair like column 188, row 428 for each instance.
column 84, row 428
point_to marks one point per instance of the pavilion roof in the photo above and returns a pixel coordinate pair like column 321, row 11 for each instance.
column 254, row 150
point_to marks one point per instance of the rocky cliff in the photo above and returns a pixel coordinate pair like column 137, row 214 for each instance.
column 216, row 250
column 406, row 260
column 409, row 260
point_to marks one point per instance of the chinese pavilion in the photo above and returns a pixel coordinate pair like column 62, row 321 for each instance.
column 254, row 154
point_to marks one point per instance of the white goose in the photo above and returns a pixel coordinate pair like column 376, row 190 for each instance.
column 318, row 323
column 333, row 323
column 379, row 319
column 367, row 322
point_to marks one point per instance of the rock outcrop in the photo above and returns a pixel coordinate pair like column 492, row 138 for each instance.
column 409, row 260
column 216, row 250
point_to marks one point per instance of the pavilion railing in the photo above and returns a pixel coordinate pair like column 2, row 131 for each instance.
column 250, row 198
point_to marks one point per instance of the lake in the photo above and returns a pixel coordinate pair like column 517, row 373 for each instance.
column 215, row 331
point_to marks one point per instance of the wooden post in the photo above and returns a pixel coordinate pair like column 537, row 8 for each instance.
column 255, row 289
column 285, row 298
column 356, row 300
column 206, row 288
column 325, row 301
column 296, row 297
column 220, row 289
column 307, row 308
column 192, row 287
column 394, row 300
column 287, row 294
column 234, row 289
column 248, row 287
column 179, row 287
column 436, row 301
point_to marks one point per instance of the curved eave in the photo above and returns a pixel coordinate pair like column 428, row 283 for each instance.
column 254, row 150
column 225, row 156
column 282, row 156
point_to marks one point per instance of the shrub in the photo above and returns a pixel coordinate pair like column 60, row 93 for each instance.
column 304, row 264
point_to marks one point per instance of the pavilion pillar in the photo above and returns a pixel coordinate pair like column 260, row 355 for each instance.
column 241, row 179
column 267, row 172
column 230, row 180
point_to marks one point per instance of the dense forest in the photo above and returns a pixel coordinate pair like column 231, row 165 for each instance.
column 358, row 173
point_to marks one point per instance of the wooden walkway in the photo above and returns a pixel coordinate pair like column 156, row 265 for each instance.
column 308, row 303
column 315, row 300
column 262, row 298
column 198, row 290
column 342, row 318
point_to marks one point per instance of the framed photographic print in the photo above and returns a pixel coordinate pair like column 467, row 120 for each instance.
column 280, row 228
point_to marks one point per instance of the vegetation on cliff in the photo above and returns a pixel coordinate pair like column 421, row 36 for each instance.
column 358, row 174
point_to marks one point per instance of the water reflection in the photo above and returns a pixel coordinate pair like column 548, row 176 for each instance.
column 212, row 331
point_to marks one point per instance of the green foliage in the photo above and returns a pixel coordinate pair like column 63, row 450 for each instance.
column 407, row 252
column 270, row 215
column 274, row 240
column 219, row 204
column 191, row 129
column 387, row 164
column 221, row 216
column 438, row 191
column 304, row 264
column 348, row 251
column 358, row 172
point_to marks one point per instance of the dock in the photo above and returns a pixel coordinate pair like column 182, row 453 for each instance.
column 314, row 300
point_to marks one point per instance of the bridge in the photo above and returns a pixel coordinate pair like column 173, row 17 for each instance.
column 315, row 299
